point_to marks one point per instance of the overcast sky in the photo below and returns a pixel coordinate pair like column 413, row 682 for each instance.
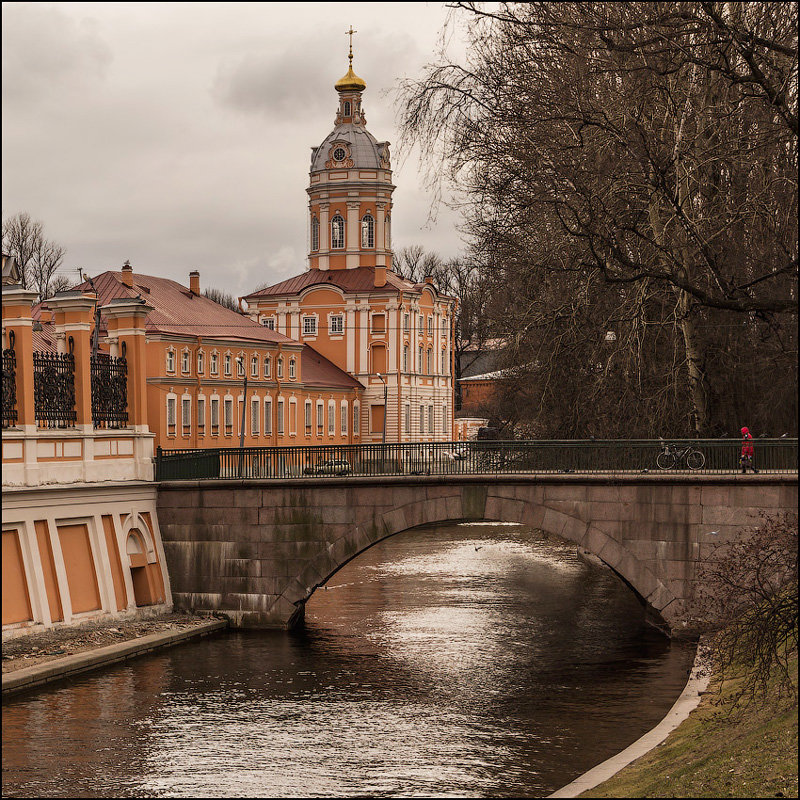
column 178, row 135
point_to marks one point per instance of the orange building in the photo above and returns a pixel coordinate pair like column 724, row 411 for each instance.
column 196, row 350
column 394, row 336
column 80, row 531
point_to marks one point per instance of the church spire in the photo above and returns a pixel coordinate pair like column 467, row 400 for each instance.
column 350, row 82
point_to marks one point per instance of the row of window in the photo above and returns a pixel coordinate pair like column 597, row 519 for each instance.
column 258, row 367
column 336, row 324
column 225, row 426
column 337, row 232
column 427, row 413
column 428, row 354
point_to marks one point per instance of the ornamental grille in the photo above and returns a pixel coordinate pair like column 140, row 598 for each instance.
column 109, row 390
column 9, row 384
column 54, row 388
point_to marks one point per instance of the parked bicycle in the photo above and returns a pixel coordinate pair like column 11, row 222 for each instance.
column 672, row 456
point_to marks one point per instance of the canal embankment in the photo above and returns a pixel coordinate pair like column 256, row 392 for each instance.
column 722, row 749
column 56, row 653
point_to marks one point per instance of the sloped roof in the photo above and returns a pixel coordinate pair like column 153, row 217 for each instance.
column 365, row 149
column 318, row 371
column 360, row 279
column 176, row 310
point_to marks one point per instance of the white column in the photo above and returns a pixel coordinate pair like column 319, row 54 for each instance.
column 350, row 336
column 353, row 244
column 363, row 328
column 380, row 234
column 324, row 235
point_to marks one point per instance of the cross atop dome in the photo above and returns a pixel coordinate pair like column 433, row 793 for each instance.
column 350, row 82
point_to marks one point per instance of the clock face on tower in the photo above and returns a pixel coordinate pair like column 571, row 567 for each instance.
column 339, row 154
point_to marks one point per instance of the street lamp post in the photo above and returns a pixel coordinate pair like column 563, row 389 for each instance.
column 242, row 371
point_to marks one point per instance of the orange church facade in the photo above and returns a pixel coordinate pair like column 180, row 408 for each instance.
column 392, row 335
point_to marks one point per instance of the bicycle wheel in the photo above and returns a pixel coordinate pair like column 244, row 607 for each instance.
column 695, row 459
column 665, row 460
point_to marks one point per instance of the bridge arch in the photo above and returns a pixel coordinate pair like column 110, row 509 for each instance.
column 466, row 506
column 255, row 550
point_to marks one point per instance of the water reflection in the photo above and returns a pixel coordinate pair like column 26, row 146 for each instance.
column 467, row 660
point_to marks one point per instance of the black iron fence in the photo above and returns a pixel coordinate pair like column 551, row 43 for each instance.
column 9, row 384
column 109, row 391
column 704, row 456
column 54, row 389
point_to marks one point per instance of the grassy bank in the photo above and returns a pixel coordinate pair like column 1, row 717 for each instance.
column 715, row 753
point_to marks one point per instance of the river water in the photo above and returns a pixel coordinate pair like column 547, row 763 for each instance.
column 463, row 660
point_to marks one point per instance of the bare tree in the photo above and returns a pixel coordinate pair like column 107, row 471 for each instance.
column 748, row 606
column 222, row 298
column 60, row 283
column 22, row 238
column 632, row 166
column 47, row 258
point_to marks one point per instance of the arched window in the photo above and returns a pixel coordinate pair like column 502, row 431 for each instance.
column 337, row 232
column 314, row 233
column 347, row 108
column 388, row 232
column 367, row 231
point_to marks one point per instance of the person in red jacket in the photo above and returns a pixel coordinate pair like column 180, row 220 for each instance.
column 746, row 458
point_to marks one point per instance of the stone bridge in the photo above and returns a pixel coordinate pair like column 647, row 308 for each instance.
column 256, row 550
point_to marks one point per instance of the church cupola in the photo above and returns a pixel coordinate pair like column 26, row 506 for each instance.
column 350, row 187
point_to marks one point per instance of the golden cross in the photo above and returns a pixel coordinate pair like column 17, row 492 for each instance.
column 350, row 33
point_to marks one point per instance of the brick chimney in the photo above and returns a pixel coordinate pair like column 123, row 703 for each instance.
column 194, row 282
column 380, row 276
column 127, row 274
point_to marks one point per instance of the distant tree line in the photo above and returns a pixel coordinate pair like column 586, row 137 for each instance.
column 630, row 181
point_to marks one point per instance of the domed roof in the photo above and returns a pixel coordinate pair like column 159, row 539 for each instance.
column 363, row 148
column 350, row 82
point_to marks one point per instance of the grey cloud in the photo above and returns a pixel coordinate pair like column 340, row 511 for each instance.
column 47, row 53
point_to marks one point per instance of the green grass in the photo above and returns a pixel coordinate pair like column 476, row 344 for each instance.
column 750, row 752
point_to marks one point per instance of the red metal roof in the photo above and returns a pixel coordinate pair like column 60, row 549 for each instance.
column 318, row 371
column 360, row 279
column 177, row 310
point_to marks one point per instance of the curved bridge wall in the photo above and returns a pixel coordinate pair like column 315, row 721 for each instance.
column 256, row 550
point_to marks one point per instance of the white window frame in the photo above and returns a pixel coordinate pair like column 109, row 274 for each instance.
column 314, row 233
column 309, row 322
column 214, row 414
column 337, row 242
column 267, row 367
column 170, row 360
column 227, row 406
column 431, row 420
column 214, row 366
column 172, row 413
column 292, row 368
column 185, row 362
column 331, row 418
column 227, row 363
column 336, row 324
column 356, row 418
column 343, row 417
column 267, row 416
column 320, row 417
column 367, row 232
column 186, row 414
column 268, row 323
column 281, row 413
column 407, row 419
column 201, row 414
column 201, row 362
column 422, row 420
column 255, row 416
column 292, row 417
column 254, row 366
column 308, row 418
column 279, row 370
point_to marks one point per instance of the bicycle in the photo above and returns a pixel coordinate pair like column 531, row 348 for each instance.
column 672, row 455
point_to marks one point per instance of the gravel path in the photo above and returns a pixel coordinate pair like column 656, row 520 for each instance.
column 38, row 648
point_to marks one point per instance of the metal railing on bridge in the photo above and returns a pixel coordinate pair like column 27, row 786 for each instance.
column 638, row 456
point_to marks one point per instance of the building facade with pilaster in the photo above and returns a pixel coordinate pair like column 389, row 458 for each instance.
column 392, row 335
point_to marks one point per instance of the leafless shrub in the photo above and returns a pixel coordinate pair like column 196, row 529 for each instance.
column 748, row 607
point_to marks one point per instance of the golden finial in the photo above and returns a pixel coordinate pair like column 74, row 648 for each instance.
column 350, row 82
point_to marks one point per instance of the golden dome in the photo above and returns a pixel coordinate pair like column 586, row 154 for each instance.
column 350, row 82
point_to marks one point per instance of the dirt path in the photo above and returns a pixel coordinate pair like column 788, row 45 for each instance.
column 38, row 648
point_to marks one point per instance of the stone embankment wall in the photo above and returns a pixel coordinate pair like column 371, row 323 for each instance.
column 256, row 550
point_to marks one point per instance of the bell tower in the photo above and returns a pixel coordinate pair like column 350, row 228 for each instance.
column 350, row 188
